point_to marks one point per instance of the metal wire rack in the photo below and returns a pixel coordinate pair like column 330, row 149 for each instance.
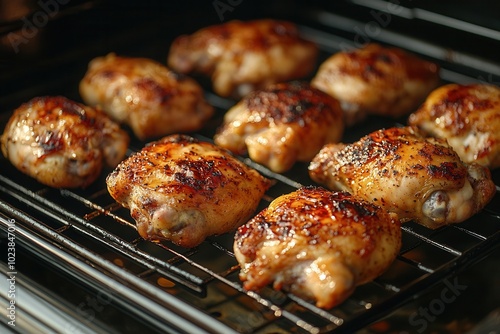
column 92, row 227
column 90, row 238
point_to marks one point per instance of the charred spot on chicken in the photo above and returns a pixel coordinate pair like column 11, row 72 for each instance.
column 281, row 124
column 184, row 190
column 317, row 244
column 419, row 178
column 62, row 143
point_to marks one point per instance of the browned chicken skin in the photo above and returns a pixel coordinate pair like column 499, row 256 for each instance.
column 317, row 244
column 418, row 178
column 184, row 190
column 281, row 124
column 468, row 117
column 146, row 95
column 62, row 143
column 376, row 80
column 243, row 56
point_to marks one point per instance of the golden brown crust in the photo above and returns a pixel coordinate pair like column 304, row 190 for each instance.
column 375, row 63
column 317, row 244
column 318, row 215
column 281, row 124
column 377, row 80
column 292, row 102
column 241, row 56
column 468, row 116
column 62, row 143
column 398, row 168
column 383, row 149
column 183, row 190
column 255, row 35
column 153, row 100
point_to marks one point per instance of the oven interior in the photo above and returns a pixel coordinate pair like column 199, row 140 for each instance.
column 81, row 265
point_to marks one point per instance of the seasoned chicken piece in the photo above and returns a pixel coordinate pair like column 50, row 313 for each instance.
column 184, row 190
column 243, row 56
column 146, row 95
column 468, row 117
column 61, row 143
column 418, row 178
column 281, row 124
column 317, row 244
column 376, row 80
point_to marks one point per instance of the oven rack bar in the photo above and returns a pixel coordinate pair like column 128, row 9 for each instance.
column 63, row 227
column 413, row 13
column 341, row 319
column 88, row 256
column 42, row 311
column 145, row 300
column 336, row 32
column 69, row 221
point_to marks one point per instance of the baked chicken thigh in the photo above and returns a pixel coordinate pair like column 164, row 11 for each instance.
column 418, row 178
column 281, row 124
column 62, row 143
column 468, row 117
column 145, row 95
column 317, row 244
column 243, row 56
column 184, row 190
column 376, row 80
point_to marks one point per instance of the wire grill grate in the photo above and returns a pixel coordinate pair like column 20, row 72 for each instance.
column 89, row 226
column 208, row 275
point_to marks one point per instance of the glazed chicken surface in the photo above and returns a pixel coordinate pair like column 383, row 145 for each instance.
column 142, row 93
column 468, row 117
column 376, row 80
column 62, row 143
column 184, row 190
column 281, row 124
column 241, row 56
column 317, row 244
column 420, row 179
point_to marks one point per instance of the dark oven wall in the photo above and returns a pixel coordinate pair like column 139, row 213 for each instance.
column 78, row 261
column 45, row 50
column 49, row 48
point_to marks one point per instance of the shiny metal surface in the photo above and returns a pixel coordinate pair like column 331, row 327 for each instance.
column 80, row 240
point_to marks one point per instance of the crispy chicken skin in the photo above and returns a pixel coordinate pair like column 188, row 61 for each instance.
column 145, row 95
column 184, row 190
column 243, row 56
column 281, row 124
column 62, row 143
column 317, row 244
column 418, row 178
column 468, row 116
column 376, row 80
